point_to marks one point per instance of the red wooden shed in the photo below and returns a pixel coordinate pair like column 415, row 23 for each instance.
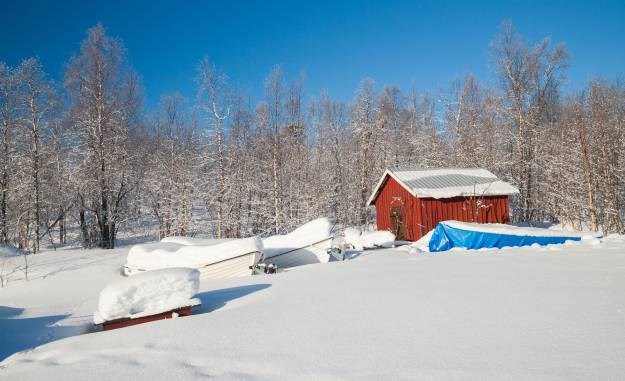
column 410, row 202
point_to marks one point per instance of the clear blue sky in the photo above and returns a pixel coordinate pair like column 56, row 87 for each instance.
column 336, row 43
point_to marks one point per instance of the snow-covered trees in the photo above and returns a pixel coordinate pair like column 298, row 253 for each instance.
column 37, row 100
column 8, row 122
column 226, row 166
column 530, row 77
column 29, row 113
column 213, row 102
column 169, row 155
column 103, row 105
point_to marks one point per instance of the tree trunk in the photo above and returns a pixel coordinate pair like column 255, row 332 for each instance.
column 588, row 177
column 222, row 176
column 62, row 232
column 86, row 240
column 276, row 182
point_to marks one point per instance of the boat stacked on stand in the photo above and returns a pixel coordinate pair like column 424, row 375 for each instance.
column 308, row 244
column 215, row 260
column 228, row 258
column 149, row 296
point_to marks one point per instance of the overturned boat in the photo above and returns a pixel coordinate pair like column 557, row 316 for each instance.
column 215, row 260
column 308, row 244
column 449, row 234
column 150, row 296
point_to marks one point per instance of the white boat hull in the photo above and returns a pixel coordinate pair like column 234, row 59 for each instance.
column 315, row 253
column 229, row 268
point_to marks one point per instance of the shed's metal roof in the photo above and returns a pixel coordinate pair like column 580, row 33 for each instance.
column 446, row 182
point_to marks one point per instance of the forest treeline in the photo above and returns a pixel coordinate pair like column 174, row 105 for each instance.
column 83, row 155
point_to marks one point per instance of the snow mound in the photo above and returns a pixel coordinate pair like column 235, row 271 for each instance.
column 614, row 238
column 8, row 251
column 310, row 233
column 189, row 241
column 368, row 240
column 352, row 237
column 378, row 238
column 148, row 293
column 423, row 243
column 160, row 255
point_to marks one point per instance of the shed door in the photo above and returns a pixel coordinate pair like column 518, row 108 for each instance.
column 397, row 223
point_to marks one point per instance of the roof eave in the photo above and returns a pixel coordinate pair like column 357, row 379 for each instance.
column 377, row 188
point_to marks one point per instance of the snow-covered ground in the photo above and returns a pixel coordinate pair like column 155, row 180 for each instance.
column 555, row 313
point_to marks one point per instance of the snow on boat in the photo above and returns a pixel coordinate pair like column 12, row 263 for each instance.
column 368, row 239
column 227, row 259
column 195, row 241
column 150, row 296
column 450, row 234
column 305, row 245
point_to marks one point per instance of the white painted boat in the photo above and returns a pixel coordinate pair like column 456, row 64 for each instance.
column 305, row 245
column 227, row 259
column 290, row 257
column 238, row 266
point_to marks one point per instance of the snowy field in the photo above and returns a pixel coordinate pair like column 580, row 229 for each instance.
column 554, row 313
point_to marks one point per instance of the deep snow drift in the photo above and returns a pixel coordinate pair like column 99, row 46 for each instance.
column 59, row 299
column 555, row 312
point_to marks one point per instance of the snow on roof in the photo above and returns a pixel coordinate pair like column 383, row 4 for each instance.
column 446, row 183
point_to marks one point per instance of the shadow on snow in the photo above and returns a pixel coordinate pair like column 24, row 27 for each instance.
column 18, row 334
column 216, row 299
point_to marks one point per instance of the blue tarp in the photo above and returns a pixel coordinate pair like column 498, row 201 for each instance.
column 446, row 236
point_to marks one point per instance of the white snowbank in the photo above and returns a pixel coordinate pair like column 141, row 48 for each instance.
column 8, row 251
column 352, row 237
column 379, row 238
column 310, row 233
column 511, row 229
column 523, row 314
column 148, row 293
column 423, row 243
column 368, row 240
column 188, row 241
column 160, row 255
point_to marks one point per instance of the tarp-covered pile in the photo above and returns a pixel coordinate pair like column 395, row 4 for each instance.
column 450, row 234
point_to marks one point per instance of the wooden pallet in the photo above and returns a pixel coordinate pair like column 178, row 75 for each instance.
column 127, row 322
